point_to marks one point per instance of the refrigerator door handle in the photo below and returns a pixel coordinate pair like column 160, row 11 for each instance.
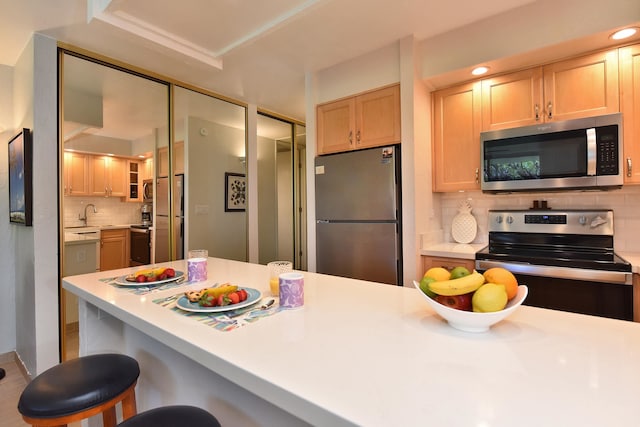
column 322, row 221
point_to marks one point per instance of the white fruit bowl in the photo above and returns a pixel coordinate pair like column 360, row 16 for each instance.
column 470, row 321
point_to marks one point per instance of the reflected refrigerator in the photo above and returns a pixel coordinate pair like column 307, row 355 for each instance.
column 161, row 225
column 358, row 215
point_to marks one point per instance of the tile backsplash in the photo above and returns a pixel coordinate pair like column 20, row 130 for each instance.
column 625, row 204
column 111, row 211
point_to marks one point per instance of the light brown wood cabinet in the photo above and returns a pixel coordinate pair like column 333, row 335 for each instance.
column 630, row 107
column 456, row 137
column 370, row 119
column 448, row 263
column 114, row 249
column 134, row 181
column 575, row 88
column 163, row 159
column 76, row 174
column 108, row 176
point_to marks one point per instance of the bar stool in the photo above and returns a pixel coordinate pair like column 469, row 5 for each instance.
column 80, row 388
column 172, row 416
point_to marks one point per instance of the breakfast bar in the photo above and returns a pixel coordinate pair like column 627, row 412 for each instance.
column 361, row 353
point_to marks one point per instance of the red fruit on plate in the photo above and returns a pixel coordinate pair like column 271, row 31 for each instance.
column 170, row 272
column 162, row 276
column 222, row 300
column 243, row 294
column 234, row 297
column 141, row 278
column 152, row 278
column 459, row 302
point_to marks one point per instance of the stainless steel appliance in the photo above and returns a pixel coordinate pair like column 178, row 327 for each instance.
column 139, row 245
column 566, row 258
column 147, row 191
column 161, row 225
column 573, row 154
column 358, row 212
column 146, row 214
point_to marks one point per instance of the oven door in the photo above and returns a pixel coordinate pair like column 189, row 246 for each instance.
column 573, row 289
column 140, row 247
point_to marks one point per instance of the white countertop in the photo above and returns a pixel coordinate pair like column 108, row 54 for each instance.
column 368, row 354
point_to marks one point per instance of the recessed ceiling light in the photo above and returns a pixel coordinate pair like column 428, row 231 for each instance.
column 479, row 70
column 624, row 33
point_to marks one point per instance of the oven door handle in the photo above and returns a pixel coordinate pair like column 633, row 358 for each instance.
column 602, row 276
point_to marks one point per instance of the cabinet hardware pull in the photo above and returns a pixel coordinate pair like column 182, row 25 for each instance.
column 550, row 110
column 629, row 168
column 350, row 137
column 536, row 108
column 358, row 137
column 477, row 176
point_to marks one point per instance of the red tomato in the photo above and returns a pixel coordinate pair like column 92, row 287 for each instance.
column 141, row 278
column 243, row 294
column 170, row 272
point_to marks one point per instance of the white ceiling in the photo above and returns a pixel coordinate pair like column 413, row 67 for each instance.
column 264, row 48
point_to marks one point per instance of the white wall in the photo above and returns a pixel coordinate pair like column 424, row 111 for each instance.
column 7, row 237
column 35, row 249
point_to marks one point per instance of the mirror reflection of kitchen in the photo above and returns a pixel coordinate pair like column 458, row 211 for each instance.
column 112, row 126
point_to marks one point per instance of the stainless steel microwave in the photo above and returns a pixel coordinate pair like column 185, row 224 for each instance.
column 576, row 154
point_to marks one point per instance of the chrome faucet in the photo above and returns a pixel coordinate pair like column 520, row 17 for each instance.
column 84, row 218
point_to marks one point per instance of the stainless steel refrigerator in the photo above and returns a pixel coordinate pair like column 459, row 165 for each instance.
column 161, row 225
column 358, row 215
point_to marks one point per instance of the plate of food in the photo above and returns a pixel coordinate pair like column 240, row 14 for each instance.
column 150, row 277
column 218, row 299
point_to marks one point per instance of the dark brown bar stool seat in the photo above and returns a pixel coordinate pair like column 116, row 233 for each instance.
column 172, row 416
column 80, row 388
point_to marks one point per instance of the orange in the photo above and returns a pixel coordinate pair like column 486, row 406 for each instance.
column 504, row 277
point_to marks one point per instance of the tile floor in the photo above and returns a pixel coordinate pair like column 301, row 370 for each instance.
column 15, row 381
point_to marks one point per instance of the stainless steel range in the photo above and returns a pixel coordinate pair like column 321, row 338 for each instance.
column 566, row 258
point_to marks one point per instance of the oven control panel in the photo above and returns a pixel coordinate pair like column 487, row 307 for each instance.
column 593, row 222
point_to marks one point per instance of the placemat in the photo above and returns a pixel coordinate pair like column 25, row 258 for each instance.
column 144, row 290
column 223, row 321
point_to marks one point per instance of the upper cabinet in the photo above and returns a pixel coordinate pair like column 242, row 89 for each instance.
column 456, row 138
column 109, row 177
column 575, row 88
column 370, row 119
column 630, row 107
column 76, row 174
column 163, row 160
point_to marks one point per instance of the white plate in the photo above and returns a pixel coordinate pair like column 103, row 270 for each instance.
column 122, row 280
column 253, row 296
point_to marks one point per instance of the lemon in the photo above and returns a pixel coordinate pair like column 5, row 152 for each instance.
column 489, row 297
column 438, row 273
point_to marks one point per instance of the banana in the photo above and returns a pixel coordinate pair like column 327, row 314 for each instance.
column 459, row 286
column 220, row 290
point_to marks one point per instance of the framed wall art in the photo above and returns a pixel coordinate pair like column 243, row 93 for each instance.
column 21, row 178
column 235, row 192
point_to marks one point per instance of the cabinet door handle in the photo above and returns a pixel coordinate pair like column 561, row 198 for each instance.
column 358, row 137
column 629, row 167
column 550, row 110
column 477, row 176
column 350, row 137
column 536, row 108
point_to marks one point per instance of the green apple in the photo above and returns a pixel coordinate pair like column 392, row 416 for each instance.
column 459, row 272
column 424, row 286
